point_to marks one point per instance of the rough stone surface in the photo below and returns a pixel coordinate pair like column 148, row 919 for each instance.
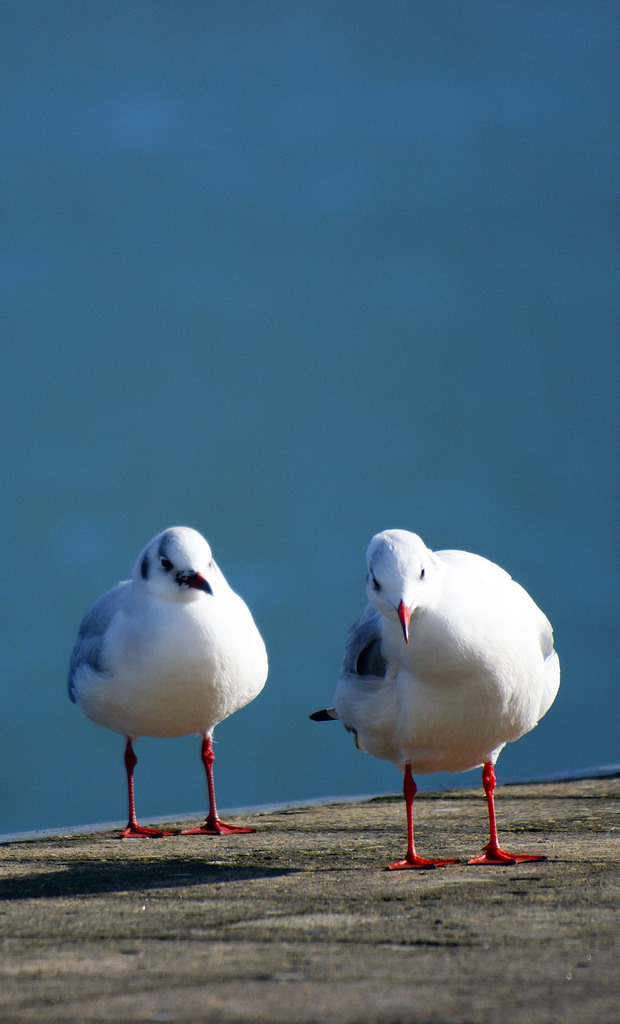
column 300, row 922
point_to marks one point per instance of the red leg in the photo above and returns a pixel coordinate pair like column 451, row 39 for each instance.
column 212, row 826
column 133, row 830
column 493, row 853
column 411, row 858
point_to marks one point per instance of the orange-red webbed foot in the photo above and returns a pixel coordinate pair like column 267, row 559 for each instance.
column 217, row 828
column 492, row 854
column 420, row 863
column 142, row 832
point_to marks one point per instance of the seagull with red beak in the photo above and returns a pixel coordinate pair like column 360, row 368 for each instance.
column 170, row 652
column 450, row 660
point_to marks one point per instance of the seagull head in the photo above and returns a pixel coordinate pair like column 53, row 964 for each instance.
column 400, row 572
column 176, row 565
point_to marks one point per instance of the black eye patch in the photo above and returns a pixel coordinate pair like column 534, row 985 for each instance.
column 166, row 564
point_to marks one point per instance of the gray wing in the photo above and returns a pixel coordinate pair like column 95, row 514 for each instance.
column 362, row 658
column 89, row 644
column 552, row 667
column 364, row 668
column 362, row 654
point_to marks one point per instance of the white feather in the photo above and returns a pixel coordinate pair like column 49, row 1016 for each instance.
column 158, row 658
column 479, row 669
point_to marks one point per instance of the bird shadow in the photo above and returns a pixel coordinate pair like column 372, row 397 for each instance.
column 94, row 878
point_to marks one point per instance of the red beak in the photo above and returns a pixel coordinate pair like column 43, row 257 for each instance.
column 195, row 580
column 404, row 614
column 198, row 582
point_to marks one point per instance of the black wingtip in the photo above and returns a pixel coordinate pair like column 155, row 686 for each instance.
column 325, row 715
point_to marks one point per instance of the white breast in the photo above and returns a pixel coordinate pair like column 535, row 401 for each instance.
column 472, row 678
column 174, row 669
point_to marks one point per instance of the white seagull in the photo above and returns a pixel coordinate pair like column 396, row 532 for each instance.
column 170, row 652
column 450, row 661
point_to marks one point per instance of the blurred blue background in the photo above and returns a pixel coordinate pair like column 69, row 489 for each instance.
column 291, row 273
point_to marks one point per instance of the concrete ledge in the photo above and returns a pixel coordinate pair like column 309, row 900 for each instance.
column 300, row 922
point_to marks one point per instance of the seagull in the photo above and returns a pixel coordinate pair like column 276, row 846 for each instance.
column 450, row 660
column 169, row 652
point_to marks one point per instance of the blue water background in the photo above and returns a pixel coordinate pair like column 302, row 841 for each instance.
column 292, row 273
